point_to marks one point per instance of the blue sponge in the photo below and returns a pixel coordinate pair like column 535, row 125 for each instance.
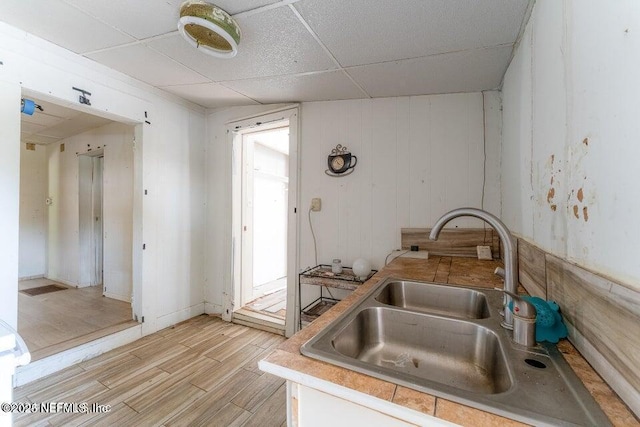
column 549, row 325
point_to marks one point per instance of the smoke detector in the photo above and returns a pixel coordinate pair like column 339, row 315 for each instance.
column 209, row 29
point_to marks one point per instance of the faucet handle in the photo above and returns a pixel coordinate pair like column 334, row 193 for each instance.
column 521, row 307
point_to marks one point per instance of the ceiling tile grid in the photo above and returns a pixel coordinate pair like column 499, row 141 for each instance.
column 61, row 24
column 325, row 86
column 360, row 32
column 147, row 65
column 274, row 43
column 210, row 95
column 140, row 19
column 466, row 71
column 291, row 50
column 56, row 122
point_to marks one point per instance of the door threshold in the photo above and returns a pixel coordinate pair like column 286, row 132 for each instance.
column 260, row 321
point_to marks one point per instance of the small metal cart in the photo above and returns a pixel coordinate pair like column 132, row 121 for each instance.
column 321, row 275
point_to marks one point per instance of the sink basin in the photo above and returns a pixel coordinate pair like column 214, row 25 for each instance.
column 448, row 342
column 435, row 299
column 448, row 351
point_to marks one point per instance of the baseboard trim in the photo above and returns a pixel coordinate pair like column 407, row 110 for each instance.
column 179, row 316
column 118, row 297
column 39, row 276
column 64, row 282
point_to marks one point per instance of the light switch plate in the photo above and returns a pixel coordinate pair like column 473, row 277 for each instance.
column 484, row 252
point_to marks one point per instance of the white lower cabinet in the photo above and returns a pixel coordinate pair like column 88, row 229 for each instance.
column 308, row 407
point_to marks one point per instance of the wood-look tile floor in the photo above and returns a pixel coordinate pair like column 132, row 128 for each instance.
column 54, row 318
column 202, row 372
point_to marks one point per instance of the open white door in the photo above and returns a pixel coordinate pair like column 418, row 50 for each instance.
column 264, row 212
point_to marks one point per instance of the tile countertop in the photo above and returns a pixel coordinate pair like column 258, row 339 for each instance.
column 460, row 271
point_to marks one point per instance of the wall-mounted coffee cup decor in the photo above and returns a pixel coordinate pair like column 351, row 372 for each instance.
column 341, row 162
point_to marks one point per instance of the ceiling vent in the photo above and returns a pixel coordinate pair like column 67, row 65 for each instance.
column 209, row 29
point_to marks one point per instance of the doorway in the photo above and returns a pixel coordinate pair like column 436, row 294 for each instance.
column 74, row 190
column 90, row 195
column 264, row 222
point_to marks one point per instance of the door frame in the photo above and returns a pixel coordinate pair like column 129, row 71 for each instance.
column 235, row 130
column 96, row 266
column 142, row 287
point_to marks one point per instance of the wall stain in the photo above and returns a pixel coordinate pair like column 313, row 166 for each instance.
column 582, row 197
column 552, row 171
column 550, row 194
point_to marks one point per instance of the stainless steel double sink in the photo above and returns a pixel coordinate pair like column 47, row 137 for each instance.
column 447, row 341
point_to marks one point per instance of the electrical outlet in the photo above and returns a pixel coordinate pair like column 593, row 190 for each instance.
column 484, row 252
column 316, row 204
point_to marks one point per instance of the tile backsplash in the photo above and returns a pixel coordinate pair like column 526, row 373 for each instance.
column 603, row 317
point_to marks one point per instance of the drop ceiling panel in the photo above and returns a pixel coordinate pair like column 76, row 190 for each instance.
column 56, row 122
column 78, row 124
column 29, row 128
column 210, row 95
column 315, row 87
column 55, row 111
column 273, row 43
column 468, row 71
column 236, row 6
column 364, row 32
column 38, row 139
column 148, row 66
column 139, row 18
column 42, row 119
column 62, row 24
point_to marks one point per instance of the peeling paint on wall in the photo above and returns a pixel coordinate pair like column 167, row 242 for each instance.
column 550, row 194
column 581, row 198
column 552, row 170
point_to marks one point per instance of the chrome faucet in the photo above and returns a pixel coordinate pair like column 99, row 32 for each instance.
column 510, row 251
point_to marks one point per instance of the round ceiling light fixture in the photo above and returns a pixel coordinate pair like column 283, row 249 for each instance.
column 210, row 29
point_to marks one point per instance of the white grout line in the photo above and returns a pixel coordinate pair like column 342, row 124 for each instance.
column 326, row 50
column 265, row 8
column 134, row 43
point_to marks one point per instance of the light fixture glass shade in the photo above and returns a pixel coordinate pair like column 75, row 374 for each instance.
column 361, row 268
column 209, row 29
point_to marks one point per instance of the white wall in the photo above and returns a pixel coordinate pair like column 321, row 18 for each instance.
column 10, row 200
column 67, row 256
column 418, row 157
column 570, row 145
column 33, row 218
column 170, row 150
column 118, row 211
